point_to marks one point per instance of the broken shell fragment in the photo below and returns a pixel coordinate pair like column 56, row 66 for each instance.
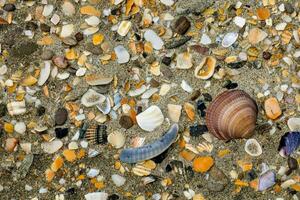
column 294, row 124
column 52, row 147
column 256, row 35
column 116, row 139
column 266, row 180
column 229, row 39
column 190, row 111
column 232, row 115
column 122, row 54
column 253, row 148
column 206, row 68
column 154, row 39
column 16, row 107
column 11, row 144
column 124, row 27
column 97, row 79
column 289, row 142
column 174, row 112
column 105, row 106
column 184, row 61
column 92, row 98
column 150, row 119
column 45, row 73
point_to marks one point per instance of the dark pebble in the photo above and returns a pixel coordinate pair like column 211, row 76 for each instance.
column 200, row 49
column 154, row 83
column 292, row 163
column 45, row 28
column 289, row 8
column 94, row 49
column 237, row 65
column 125, row 121
column 47, row 54
column 144, row 54
column 60, row 61
column 195, row 95
column 168, row 168
column 31, row 26
column 24, row 49
column 40, row 111
column 251, row 175
column 189, row 172
column 9, row 7
column 158, row 159
column 182, row 25
column 3, row 110
column 69, row 41
column 150, row 59
column 79, row 36
column 201, row 108
column 113, row 197
column 175, row 43
column 207, row 97
column 230, row 85
column 267, row 55
column 70, row 191
column 139, row 109
column 166, row 61
column 61, row 132
column 61, row 116
column 197, row 130
column 167, row 72
column 217, row 180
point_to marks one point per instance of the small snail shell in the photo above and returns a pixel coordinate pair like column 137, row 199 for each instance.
column 232, row 115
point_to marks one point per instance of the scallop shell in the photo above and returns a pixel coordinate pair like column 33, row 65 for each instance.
column 232, row 115
column 150, row 118
column 206, row 68
column 116, row 139
column 96, row 134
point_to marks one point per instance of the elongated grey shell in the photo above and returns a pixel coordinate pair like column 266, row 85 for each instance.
column 134, row 155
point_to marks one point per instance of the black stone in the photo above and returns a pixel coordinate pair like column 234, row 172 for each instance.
column 201, row 108
column 197, row 130
column 292, row 163
column 113, row 197
column 158, row 159
column 289, row 8
column 61, row 132
column 40, row 111
column 3, row 110
column 168, row 168
column 207, row 97
column 230, row 85
column 166, row 61
column 126, row 121
column 61, row 116
column 267, row 55
column 70, row 191
column 79, row 36
column 45, row 28
column 9, row 7
column 251, row 175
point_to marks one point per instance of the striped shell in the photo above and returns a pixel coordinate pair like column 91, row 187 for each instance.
column 232, row 115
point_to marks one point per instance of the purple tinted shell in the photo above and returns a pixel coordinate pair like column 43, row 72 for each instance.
column 266, row 180
column 289, row 142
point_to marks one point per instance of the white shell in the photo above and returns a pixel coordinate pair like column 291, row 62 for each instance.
column 154, row 39
column 167, row 2
column 239, row 21
column 116, row 139
column 124, row 28
column 92, row 21
column 52, row 147
column 150, row 119
column 250, row 151
column 229, row 39
column 67, row 30
column 122, row 54
column 205, row 39
column 20, row 127
column 186, row 87
column 96, row 195
column 118, row 180
column 165, row 88
column 90, row 31
column 105, row 106
column 184, row 61
column 137, row 92
column 16, row 107
column 45, row 73
column 149, row 93
column 92, row 98
column 294, row 124
column 174, row 112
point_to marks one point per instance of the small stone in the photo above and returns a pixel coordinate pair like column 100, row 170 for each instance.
column 96, row 195
column 93, row 173
column 166, row 60
column 79, row 36
column 267, row 55
column 40, row 111
column 69, row 155
column 182, row 25
column 52, row 147
column 3, row 110
column 67, row 30
column 198, row 130
column 9, row 7
column 20, row 127
column 195, row 95
column 122, row 54
column 294, row 124
column 272, row 108
column 113, row 197
column 239, row 21
column 94, row 49
column 69, row 41
column 61, row 132
column 292, row 163
column 45, row 28
column 205, row 39
column 93, row 21
column 68, row 8
column 47, row 54
column 61, row 116
column 154, row 39
column 154, row 83
column 60, row 61
column 217, row 180
column 10, row 144
column 207, row 97
column 126, row 121
column 118, row 180
column 289, row 8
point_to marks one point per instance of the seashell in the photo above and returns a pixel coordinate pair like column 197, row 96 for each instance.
column 229, row 39
column 141, row 170
column 149, row 93
column 288, row 183
column 186, row 87
column 294, row 124
column 92, row 21
column 253, row 148
column 154, row 39
column 150, row 118
column 174, row 112
column 206, row 68
column 92, row 98
column 204, row 146
column 105, row 106
column 10, row 144
column 52, row 147
column 205, row 39
column 266, row 180
column 98, row 79
column 137, row 92
column 66, row 30
column 116, row 139
column 134, row 155
column 184, row 61
column 232, row 115
column 190, row 111
column 122, row 54
column 124, row 27
column 182, row 25
column 96, row 134
column 256, row 35
column 289, row 142
column 45, row 73
column 16, row 107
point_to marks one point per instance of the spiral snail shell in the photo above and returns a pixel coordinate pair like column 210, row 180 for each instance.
column 232, row 115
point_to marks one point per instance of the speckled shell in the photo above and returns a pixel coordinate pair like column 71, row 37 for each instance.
column 232, row 115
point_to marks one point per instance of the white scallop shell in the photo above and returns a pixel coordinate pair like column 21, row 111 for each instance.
column 251, row 152
column 229, row 39
column 150, row 119
column 294, row 124
column 116, row 139
column 92, row 98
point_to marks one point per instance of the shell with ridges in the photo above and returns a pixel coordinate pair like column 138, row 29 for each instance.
column 206, row 68
column 150, row 118
column 232, row 115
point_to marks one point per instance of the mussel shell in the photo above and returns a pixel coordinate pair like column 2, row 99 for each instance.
column 232, row 115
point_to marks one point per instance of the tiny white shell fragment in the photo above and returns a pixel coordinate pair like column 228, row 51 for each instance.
column 81, row 71
column 150, row 119
column 20, row 127
column 186, row 87
column 118, row 180
column 45, row 73
column 294, row 124
column 116, row 2
column 154, row 39
column 52, row 147
column 253, row 148
column 239, row 21
column 122, row 54
column 67, row 30
column 137, row 92
column 205, row 39
column 93, row 173
column 165, row 88
column 149, row 93
column 47, row 10
column 3, row 70
column 124, row 28
column 280, row 26
column 68, row 8
column 229, row 39
column 92, row 98
column 90, row 31
column 96, row 195
column 105, row 106
column 116, row 139
column 16, row 108
column 63, row 76
column 167, row 2
column 288, row 183
column 174, row 112
column 184, row 60
column 92, row 21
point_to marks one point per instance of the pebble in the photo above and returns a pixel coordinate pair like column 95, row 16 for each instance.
column 292, row 163
column 66, row 30
column 9, row 7
column 52, row 147
column 166, row 60
column 93, row 173
column 61, row 116
column 205, row 39
column 60, row 61
column 96, row 195
column 118, row 180
column 126, row 122
column 197, row 130
column 92, row 21
column 93, row 49
column 167, row 2
column 68, row 8
column 61, row 132
column 294, row 124
column 217, row 180
column 20, row 127
column 289, row 8
column 182, row 25
column 47, row 54
column 10, row 144
column 239, row 21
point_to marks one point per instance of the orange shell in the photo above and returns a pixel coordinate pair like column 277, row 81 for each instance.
column 232, row 115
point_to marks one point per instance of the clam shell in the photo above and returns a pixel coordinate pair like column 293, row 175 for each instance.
column 174, row 112
column 294, row 124
column 232, row 115
column 92, row 98
column 116, row 139
column 206, row 68
column 124, row 28
column 150, row 118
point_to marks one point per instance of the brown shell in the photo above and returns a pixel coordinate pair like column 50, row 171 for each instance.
column 232, row 115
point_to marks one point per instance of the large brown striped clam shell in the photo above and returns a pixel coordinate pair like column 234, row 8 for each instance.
column 232, row 115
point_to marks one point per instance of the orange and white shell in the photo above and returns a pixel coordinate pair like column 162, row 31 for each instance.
column 232, row 115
